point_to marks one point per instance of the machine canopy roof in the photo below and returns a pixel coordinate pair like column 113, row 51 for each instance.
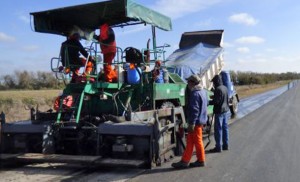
column 88, row 17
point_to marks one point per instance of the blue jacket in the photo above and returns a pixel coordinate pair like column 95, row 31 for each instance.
column 197, row 113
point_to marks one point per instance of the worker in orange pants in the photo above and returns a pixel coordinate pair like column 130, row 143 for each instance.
column 194, row 139
column 108, row 47
column 197, row 117
column 110, row 73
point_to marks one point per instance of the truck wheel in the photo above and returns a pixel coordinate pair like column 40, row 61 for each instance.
column 234, row 106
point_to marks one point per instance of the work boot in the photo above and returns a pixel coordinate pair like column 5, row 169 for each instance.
column 197, row 164
column 225, row 147
column 180, row 165
column 215, row 150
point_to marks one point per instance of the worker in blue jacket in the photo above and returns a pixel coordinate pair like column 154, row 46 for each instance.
column 197, row 118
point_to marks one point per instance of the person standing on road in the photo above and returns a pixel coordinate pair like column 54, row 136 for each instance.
column 197, row 117
column 221, row 108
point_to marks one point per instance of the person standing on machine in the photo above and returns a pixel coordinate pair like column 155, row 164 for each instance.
column 108, row 47
column 70, row 55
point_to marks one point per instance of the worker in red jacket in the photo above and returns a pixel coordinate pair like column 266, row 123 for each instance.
column 108, row 47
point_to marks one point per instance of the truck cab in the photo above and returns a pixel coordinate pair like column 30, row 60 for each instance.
column 232, row 94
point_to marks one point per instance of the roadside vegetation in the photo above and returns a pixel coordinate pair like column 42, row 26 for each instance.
column 23, row 90
column 249, row 90
column 29, row 81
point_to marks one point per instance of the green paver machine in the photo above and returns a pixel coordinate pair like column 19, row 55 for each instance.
column 107, row 123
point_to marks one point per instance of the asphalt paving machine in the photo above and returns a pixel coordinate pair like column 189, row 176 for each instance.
column 106, row 123
column 119, row 123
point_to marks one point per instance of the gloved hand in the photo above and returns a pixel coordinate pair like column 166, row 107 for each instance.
column 190, row 128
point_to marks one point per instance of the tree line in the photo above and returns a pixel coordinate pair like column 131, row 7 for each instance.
column 47, row 80
column 25, row 80
column 248, row 78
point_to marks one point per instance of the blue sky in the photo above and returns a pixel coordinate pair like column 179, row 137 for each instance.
column 259, row 35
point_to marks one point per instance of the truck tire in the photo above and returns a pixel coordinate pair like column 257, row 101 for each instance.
column 234, row 106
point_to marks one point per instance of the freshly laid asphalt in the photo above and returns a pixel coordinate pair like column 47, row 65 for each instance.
column 264, row 146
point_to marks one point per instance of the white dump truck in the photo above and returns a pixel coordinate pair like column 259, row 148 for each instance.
column 201, row 53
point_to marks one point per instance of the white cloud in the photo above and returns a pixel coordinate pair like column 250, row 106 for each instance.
column 263, row 63
column 176, row 9
column 227, row 45
column 250, row 40
column 179, row 8
column 6, row 38
column 270, row 50
column 30, row 48
column 24, row 18
column 243, row 49
column 243, row 18
column 204, row 23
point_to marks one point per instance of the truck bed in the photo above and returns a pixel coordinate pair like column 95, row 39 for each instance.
column 203, row 59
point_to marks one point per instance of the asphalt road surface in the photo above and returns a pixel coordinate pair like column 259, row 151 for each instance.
column 264, row 146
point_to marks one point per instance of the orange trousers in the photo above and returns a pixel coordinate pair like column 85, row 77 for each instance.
column 109, row 72
column 194, row 139
column 88, row 69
